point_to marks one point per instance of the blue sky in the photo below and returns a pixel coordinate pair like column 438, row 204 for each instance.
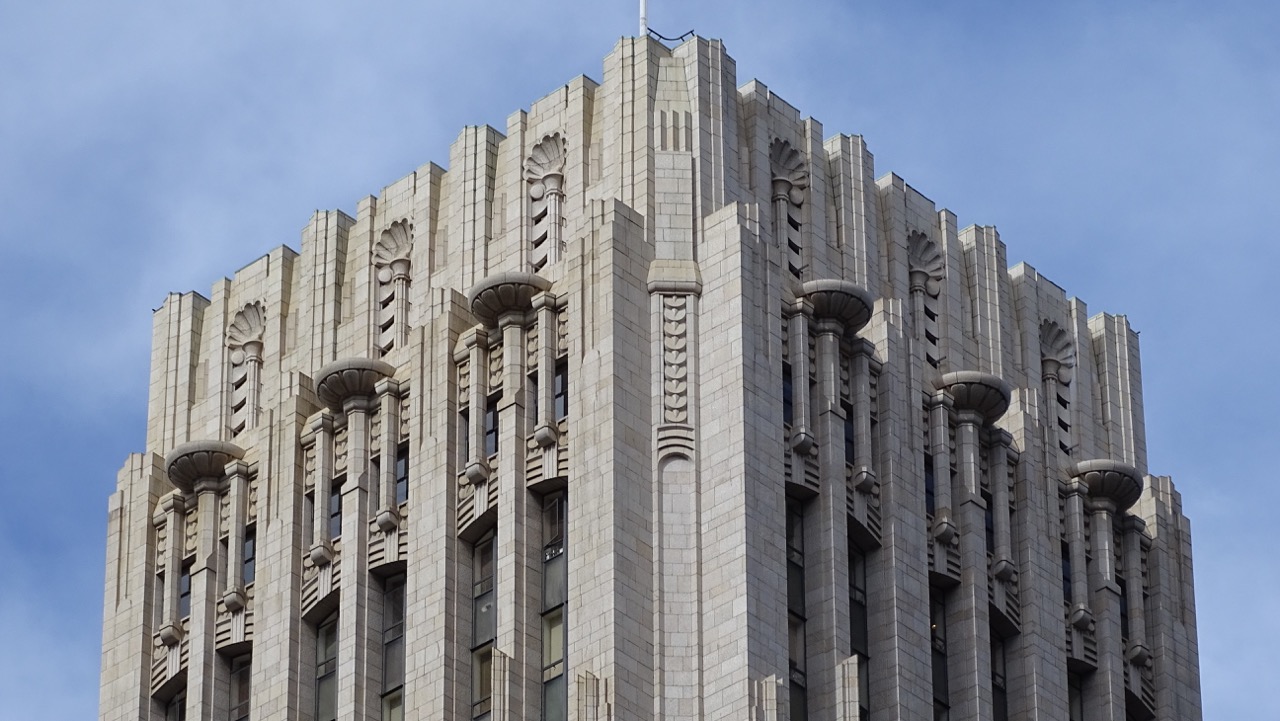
column 1127, row 150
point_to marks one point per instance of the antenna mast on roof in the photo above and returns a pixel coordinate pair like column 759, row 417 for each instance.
column 644, row 18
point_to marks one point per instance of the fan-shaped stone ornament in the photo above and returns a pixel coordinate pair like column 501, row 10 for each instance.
column 982, row 393
column 925, row 261
column 1117, row 482
column 1057, row 351
column 350, row 378
column 839, row 300
column 391, row 252
column 544, row 168
column 192, row 462
column 247, row 328
column 504, row 293
column 790, row 177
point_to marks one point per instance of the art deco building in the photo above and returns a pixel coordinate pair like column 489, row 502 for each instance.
column 656, row 405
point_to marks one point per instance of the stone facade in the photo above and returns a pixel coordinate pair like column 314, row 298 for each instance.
column 659, row 405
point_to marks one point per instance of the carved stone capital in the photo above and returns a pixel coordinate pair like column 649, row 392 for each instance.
column 1005, row 570
column 322, row 554
column 1081, row 618
column 388, row 519
column 191, row 462
column 171, row 634
column 944, row 529
column 348, row 378
column 864, row 479
column 838, row 300
column 802, row 441
column 546, row 435
column 1108, row 481
column 504, row 293
column 477, row 472
column 235, row 599
column 981, row 393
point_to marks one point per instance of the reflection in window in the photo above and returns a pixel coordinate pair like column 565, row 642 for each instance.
column 238, row 700
column 184, row 591
column 249, row 555
column 554, row 594
column 402, row 473
column 491, row 424
column 327, row 669
column 335, row 507
column 483, row 627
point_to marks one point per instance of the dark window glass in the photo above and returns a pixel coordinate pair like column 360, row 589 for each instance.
column 184, row 591
column 402, row 473
column 858, row 599
column 1124, row 607
column 938, row 631
column 327, row 670
column 930, row 486
column 1066, row 572
column 491, row 425
column 484, row 621
column 335, row 508
column 999, row 688
column 393, row 635
column 799, row 702
column 1075, row 698
column 562, row 389
column 555, row 700
column 464, row 436
column 159, row 607
column 176, row 709
column 788, row 396
column 238, row 703
column 850, row 440
column 250, row 555
column 989, row 521
column 481, row 681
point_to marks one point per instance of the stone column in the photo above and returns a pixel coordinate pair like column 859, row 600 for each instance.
column 864, row 475
column 1112, row 487
column 1003, row 565
column 801, row 436
column 979, row 400
column 944, row 528
column 388, row 516
column 234, row 597
column 546, row 431
column 321, row 543
column 350, row 386
column 175, row 507
column 199, row 467
column 477, row 469
column 1138, row 652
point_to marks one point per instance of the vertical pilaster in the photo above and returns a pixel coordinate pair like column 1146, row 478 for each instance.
column 358, row 673
column 969, row 617
column 202, row 670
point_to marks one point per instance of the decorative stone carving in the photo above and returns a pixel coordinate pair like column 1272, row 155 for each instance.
column 981, row 393
column 504, row 293
column 790, row 179
column 1057, row 352
column 544, row 171
column 838, row 300
column 675, row 358
column 350, row 378
column 391, row 258
column 924, row 259
column 1110, row 480
column 198, row 461
column 244, row 341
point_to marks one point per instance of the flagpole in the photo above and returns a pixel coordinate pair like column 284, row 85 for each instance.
column 644, row 18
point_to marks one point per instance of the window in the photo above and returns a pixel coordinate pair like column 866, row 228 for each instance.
column 335, row 507
column 483, row 622
column 788, row 396
column 402, row 473
column 249, row 555
column 1075, row 697
column 938, row 632
column 238, row 700
column 989, row 521
column 1066, row 573
column 850, row 436
column 797, row 648
column 184, row 591
column 1124, row 608
column 464, row 437
column 176, row 709
column 562, row 389
column 554, row 594
column 491, row 424
column 481, row 681
column 999, row 680
column 327, row 669
column 860, row 641
column 930, row 486
column 393, row 649
column 158, row 609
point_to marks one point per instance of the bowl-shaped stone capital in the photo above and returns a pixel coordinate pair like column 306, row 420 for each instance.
column 350, row 378
column 1117, row 482
column 191, row 462
column 981, row 393
column 504, row 293
column 838, row 300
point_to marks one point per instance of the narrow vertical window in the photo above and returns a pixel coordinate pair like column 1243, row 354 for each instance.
column 402, row 473
column 989, row 522
column 159, row 602
column 491, row 425
column 249, row 555
column 464, row 437
column 1075, row 697
column 1066, row 573
column 483, row 627
column 562, row 389
column 938, row 631
column 335, row 508
column 327, row 669
column 184, row 591
column 554, row 595
column 393, row 649
column 797, row 647
column 999, row 680
column 788, row 396
column 930, row 486
column 860, row 632
column 850, row 436
column 238, row 700
column 1124, row 608
column 176, row 709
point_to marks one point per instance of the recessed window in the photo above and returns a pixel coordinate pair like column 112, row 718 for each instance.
column 327, row 669
column 335, row 507
column 176, row 709
column 464, row 437
column 393, row 649
column 238, row 699
column 481, row 681
column 561, row 389
column 796, row 645
column 491, row 425
column 402, row 473
column 860, row 640
column 184, row 591
column 850, row 435
column 788, row 396
column 484, row 622
column 554, row 595
column 249, row 555
column 930, row 486
column 938, row 633
column 999, row 680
